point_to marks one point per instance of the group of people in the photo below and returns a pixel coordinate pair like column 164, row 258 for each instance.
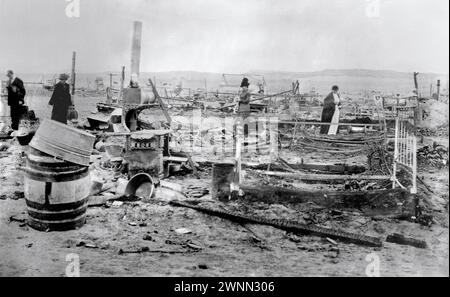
column 330, row 112
column 60, row 100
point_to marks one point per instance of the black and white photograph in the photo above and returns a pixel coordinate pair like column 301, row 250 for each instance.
column 224, row 145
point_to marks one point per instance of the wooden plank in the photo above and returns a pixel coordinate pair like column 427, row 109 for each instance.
column 329, row 168
column 400, row 239
column 328, row 124
column 290, row 226
column 324, row 177
column 349, row 142
column 161, row 102
column 331, row 149
column 176, row 159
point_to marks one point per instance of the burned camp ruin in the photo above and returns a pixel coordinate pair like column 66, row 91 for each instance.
column 161, row 174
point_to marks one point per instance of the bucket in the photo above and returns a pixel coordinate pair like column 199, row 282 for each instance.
column 222, row 177
column 67, row 143
column 141, row 185
column 56, row 193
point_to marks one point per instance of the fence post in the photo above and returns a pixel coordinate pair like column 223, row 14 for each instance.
column 394, row 170
column 414, row 166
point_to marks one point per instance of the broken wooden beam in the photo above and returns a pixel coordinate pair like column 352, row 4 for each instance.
column 323, row 168
column 389, row 202
column 324, row 177
column 148, row 250
column 160, row 101
column 400, row 239
column 328, row 124
column 290, row 226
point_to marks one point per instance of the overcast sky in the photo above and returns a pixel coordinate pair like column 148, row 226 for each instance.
column 227, row 35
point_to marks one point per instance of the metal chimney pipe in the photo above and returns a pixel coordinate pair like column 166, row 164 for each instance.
column 136, row 48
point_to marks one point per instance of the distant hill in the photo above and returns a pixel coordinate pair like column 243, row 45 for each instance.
column 348, row 72
column 349, row 80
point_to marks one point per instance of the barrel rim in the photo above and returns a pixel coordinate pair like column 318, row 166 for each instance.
column 57, row 216
column 61, row 226
column 66, row 127
column 74, row 158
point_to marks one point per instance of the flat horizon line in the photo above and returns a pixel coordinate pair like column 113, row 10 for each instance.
column 257, row 71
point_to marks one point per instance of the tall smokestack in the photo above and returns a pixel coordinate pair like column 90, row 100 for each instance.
column 136, row 48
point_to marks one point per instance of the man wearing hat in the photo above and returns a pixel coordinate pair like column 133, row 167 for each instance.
column 16, row 98
column 61, row 99
column 244, row 98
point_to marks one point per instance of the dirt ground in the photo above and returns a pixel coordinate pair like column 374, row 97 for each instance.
column 214, row 246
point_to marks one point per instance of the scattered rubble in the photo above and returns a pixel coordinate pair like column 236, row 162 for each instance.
column 434, row 156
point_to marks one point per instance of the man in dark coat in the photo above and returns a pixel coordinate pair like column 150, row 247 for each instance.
column 329, row 107
column 61, row 100
column 16, row 98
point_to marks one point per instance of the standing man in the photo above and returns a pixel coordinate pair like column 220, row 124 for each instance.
column 61, row 100
column 330, row 112
column 244, row 99
column 243, row 109
column 16, row 98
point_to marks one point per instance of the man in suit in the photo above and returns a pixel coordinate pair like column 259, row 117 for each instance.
column 61, row 100
column 16, row 98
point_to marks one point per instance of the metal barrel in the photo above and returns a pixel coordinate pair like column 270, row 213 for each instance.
column 222, row 177
column 56, row 193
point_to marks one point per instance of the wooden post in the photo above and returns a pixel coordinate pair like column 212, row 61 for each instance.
column 235, row 185
column 136, row 48
column 161, row 102
column 122, row 83
column 438, row 92
column 414, row 166
column 394, row 170
column 74, row 55
column 416, row 83
column 122, row 79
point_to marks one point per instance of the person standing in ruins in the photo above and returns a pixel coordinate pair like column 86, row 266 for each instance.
column 243, row 110
column 61, row 100
column 330, row 112
column 244, row 99
column 16, row 98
